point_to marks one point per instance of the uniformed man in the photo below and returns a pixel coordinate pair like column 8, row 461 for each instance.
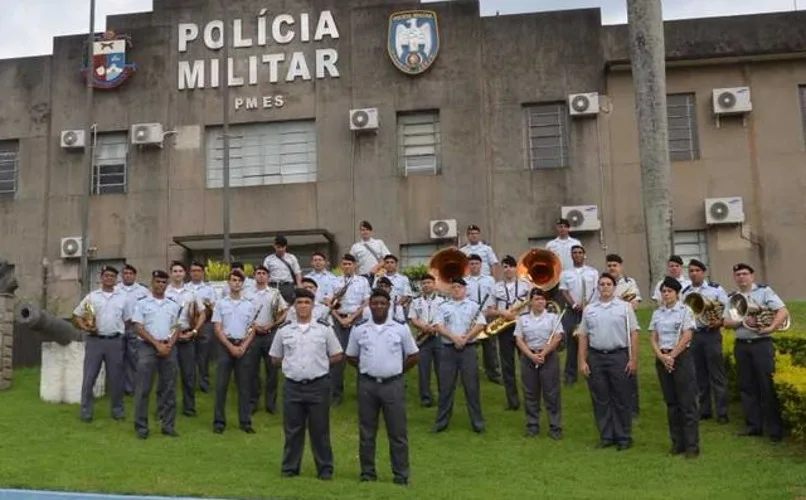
column 320, row 310
column 459, row 324
column 424, row 313
column 284, row 271
column 352, row 295
column 671, row 328
column 563, row 243
column 103, row 314
column 233, row 320
column 479, row 290
column 578, row 286
column 272, row 309
column 401, row 286
column 396, row 311
column 321, row 275
column 608, row 356
column 306, row 348
column 474, row 246
column 755, row 356
column 674, row 268
column 383, row 350
column 368, row 252
column 538, row 334
column 706, row 347
column 249, row 283
column 156, row 319
column 134, row 291
column 205, row 298
column 506, row 295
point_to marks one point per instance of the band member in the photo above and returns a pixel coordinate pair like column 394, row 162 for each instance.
column 674, row 268
column 423, row 315
column 480, row 289
column 321, row 276
column 459, row 324
column 233, row 319
column 396, row 311
column 134, row 291
column 369, row 253
column 156, row 319
column 538, row 334
column 608, row 356
column 320, row 311
column 578, row 286
column 563, row 243
column 755, row 355
column 271, row 307
column 706, row 347
column 284, row 271
column 507, row 294
column 306, row 348
column 103, row 314
column 352, row 296
column 486, row 254
column 672, row 326
column 249, row 283
column 205, row 297
column 401, row 286
column 383, row 350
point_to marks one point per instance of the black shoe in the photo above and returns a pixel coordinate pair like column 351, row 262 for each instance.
column 248, row 429
column 722, row 420
column 86, row 420
column 748, row 433
column 170, row 433
column 496, row 380
column 336, row 401
column 513, row 407
column 142, row 434
column 692, row 453
column 705, row 417
column 402, row 481
column 556, row 435
column 479, row 429
column 129, row 393
column 217, row 429
column 204, row 388
column 674, row 450
column 189, row 413
column 366, row 478
column 119, row 418
column 271, row 410
column 426, row 403
column 435, row 429
column 776, row 439
column 531, row 432
column 624, row 446
column 325, row 476
column 604, row 444
column 289, row 473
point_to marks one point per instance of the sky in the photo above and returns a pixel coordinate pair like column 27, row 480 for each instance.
column 28, row 26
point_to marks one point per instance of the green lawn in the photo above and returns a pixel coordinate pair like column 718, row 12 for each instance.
column 45, row 446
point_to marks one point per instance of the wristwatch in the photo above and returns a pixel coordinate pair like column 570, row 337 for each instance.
column 194, row 331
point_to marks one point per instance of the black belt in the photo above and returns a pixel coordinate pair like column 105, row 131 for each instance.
column 753, row 341
column 307, row 381
column 109, row 337
column 343, row 315
column 236, row 341
column 609, row 351
column 278, row 283
column 666, row 351
column 381, row 380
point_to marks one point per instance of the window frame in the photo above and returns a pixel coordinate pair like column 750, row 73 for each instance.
column 533, row 160
column 690, row 104
column 403, row 158
column 10, row 147
column 405, row 258
column 802, row 100
column 98, row 163
column 701, row 237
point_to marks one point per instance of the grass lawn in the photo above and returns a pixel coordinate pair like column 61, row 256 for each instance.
column 45, row 446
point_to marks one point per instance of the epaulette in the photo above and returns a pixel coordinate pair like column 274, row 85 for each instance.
column 142, row 284
column 713, row 284
column 399, row 321
column 169, row 298
column 146, row 296
column 360, row 322
column 759, row 285
column 284, row 323
column 524, row 313
column 686, row 289
column 323, row 321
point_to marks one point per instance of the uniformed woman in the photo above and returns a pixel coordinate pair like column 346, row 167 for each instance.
column 538, row 334
column 672, row 326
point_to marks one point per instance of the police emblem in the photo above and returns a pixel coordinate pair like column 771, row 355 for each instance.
column 413, row 40
column 108, row 68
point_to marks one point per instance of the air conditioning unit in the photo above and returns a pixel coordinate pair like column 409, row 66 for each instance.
column 73, row 139
column 147, row 134
column 732, row 101
column 443, row 229
column 584, row 104
column 724, row 210
column 72, row 247
column 582, row 217
column 364, row 119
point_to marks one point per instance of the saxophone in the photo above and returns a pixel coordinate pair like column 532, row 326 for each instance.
column 499, row 324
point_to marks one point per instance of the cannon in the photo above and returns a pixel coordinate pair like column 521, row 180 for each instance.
column 51, row 328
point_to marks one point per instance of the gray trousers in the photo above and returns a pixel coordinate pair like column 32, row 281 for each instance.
column 226, row 365
column 570, row 322
column 205, row 343
column 756, row 364
column 680, row 394
column 509, row 352
column 390, row 398
column 337, row 369
column 543, row 381
column 148, row 363
column 456, row 363
column 131, row 342
column 186, row 356
column 611, row 394
column 259, row 354
column 490, row 358
column 108, row 351
column 709, row 365
column 430, row 355
column 307, row 406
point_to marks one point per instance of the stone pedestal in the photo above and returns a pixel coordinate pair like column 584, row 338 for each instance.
column 62, row 372
column 6, row 339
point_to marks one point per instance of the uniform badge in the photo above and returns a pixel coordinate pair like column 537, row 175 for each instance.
column 109, row 68
column 413, row 40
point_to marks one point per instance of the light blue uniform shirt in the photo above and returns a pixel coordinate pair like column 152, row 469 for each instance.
column 401, row 286
column 268, row 301
column 112, row 310
column 396, row 313
column 157, row 316
column 320, row 312
column 426, row 308
column 458, row 317
column 536, row 330
column 381, row 349
column 479, row 287
column 671, row 323
column 324, row 283
column 358, row 291
column 235, row 316
column 507, row 293
column 709, row 290
column 487, row 254
column 305, row 349
column 572, row 281
column 608, row 325
column 763, row 296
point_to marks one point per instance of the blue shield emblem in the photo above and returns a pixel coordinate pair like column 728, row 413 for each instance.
column 413, row 40
column 109, row 68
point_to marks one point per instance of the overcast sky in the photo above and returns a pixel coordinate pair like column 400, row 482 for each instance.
column 28, row 26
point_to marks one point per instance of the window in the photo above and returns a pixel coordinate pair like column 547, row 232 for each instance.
column 263, row 154
column 9, row 162
column 691, row 245
column 417, row 254
column 682, row 119
column 547, row 130
column 94, row 267
column 109, row 168
column 418, row 143
column 802, row 92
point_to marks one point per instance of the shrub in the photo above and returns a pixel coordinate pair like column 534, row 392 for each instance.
column 218, row 271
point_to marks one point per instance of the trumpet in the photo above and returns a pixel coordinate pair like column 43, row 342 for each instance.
column 706, row 311
column 740, row 309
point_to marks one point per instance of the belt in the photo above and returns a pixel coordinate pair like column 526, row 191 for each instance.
column 109, row 337
column 608, row 351
column 343, row 315
column 235, row 341
column 666, row 351
column 753, row 341
column 307, row 381
column 381, row 380
column 276, row 283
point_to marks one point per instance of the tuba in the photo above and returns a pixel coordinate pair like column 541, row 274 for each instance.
column 447, row 265
column 707, row 311
column 740, row 308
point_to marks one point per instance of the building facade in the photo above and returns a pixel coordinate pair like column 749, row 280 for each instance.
column 484, row 136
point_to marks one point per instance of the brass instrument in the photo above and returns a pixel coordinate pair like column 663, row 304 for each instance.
column 208, row 309
column 89, row 316
column 193, row 312
column 335, row 302
column 740, row 309
column 705, row 310
column 540, row 267
column 630, row 293
column 447, row 265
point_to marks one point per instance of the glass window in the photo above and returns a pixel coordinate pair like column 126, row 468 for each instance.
column 9, row 167
column 109, row 166
column 547, row 130
column 418, row 143
column 691, row 245
column 417, row 254
column 682, row 119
